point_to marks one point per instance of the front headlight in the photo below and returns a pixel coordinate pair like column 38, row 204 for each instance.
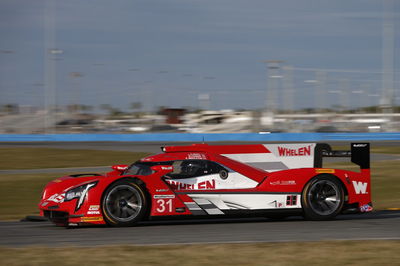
column 79, row 193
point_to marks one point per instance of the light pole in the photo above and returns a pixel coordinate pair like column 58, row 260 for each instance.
column 320, row 89
column 273, row 74
column 313, row 83
column 388, row 41
column 288, row 99
column 76, row 107
column 50, row 56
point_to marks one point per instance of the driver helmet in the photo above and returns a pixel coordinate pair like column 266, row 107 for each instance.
column 190, row 168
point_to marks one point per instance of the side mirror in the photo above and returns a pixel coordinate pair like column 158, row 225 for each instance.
column 119, row 167
column 165, row 169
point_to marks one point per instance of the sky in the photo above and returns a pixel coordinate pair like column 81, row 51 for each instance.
column 176, row 52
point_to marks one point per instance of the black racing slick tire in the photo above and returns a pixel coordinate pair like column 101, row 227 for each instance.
column 322, row 198
column 124, row 203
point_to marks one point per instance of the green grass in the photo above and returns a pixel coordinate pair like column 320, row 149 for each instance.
column 304, row 253
column 385, row 184
column 395, row 150
column 20, row 194
column 36, row 158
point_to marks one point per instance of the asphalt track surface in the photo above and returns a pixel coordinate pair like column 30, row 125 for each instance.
column 375, row 225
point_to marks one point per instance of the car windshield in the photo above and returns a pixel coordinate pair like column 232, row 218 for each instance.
column 139, row 169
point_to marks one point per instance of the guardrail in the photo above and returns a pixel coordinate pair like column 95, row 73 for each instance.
column 199, row 137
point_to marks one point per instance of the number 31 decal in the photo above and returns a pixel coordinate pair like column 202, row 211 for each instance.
column 164, row 205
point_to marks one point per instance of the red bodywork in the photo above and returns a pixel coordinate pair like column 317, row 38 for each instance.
column 174, row 198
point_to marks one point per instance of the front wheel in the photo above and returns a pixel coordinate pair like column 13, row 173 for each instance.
column 322, row 198
column 124, row 203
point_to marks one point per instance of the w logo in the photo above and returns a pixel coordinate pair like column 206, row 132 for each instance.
column 360, row 187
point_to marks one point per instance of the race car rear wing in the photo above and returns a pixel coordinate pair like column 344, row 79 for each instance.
column 275, row 157
column 359, row 154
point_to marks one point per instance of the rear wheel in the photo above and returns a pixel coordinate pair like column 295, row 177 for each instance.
column 322, row 198
column 124, row 203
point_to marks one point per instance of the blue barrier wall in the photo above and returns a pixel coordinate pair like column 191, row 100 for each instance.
column 197, row 137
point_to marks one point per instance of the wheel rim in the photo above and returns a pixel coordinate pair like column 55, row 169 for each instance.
column 324, row 197
column 123, row 203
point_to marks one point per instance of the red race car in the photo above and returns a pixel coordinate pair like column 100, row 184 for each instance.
column 271, row 180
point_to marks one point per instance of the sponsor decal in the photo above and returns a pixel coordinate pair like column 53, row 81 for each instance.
column 164, row 196
column 94, row 207
column 161, row 190
column 276, row 204
column 360, row 187
column 359, row 145
column 366, row 208
column 196, row 156
column 283, row 183
column 324, row 171
column 181, row 209
column 57, row 198
column 208, row 184
column 93, row 212
column 92, row 219
column 347, row 179
column 302, row 151
column 164, row 205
